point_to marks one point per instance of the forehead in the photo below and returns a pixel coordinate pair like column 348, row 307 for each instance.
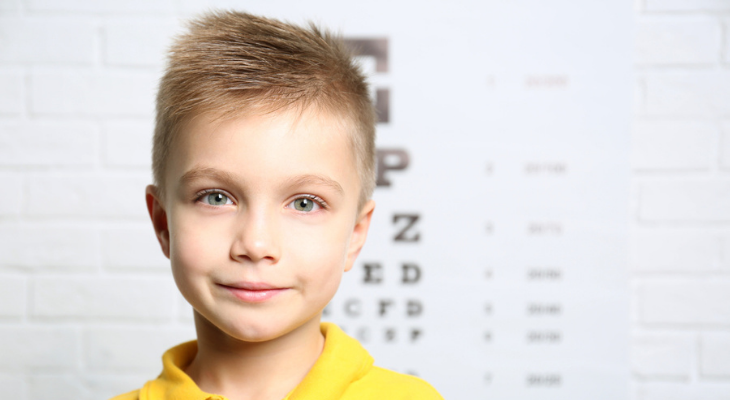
column 275, row 145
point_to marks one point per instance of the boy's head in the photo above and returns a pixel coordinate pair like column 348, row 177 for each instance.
column 232, row 64
column 263, row 161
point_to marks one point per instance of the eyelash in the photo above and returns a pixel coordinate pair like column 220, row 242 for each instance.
column 318, row 199
column 199, row 196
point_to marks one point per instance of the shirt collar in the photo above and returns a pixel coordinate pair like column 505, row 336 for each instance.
column 343, row 361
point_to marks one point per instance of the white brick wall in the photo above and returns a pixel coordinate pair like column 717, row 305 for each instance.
column 46, row 40
column 686, row 5
column 58, row 248
column 683, row 391
column 715, row 355
column 673, row 93
column 674, row 145
column 62, row 387
column 11, row 92
column 48, row 144
column 680, row 253
column 685, row 200
column 11, row 205
column 703, row 302
column 13, row 386
column 104, row 298
column 128, row 143
column 134, row 249
column 12, row 297
column 83, row 195
column 138, row 41
column 39, row 347
column 123, row 348
column 101, row 7
column 66, row 92
column 77, row 86
column 679, row 40
column 668, row 356
column 662, row 250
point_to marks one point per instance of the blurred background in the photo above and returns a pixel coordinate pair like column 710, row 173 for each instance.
column 553, row 195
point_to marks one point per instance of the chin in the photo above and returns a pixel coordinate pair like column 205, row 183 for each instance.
column 259, row 331
column 254, row 335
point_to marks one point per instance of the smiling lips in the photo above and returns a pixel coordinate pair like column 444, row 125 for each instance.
column 253, row 292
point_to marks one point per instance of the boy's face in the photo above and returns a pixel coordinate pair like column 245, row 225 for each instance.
column 260, row 219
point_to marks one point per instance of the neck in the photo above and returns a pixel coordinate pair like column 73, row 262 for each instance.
column 242, row 370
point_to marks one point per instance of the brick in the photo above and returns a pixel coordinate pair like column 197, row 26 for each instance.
column 102, row 7
column 128, row 143
column 687, row 93
column 87, row 195
column 46, row 40
column 726, row 48
column 9, row 6
column 673, row 145
column 184, row 309
column 634, row 299
column 725, row 146
column 11, row 204
column 138, row 42
column 133, row 248
column 687, row 5
column 49, row 248
column 57, row 387
column 12, row 296
column 726, row 252
column 107, row 386
column 715, row 355
column 683, row 391
column 685, row 40
column 45, row 143
column 103, row 297
column 13, row 386
column 192, row 7
column 133, row 348
column 38, row 347
column 85, row 93
column 687, row 302
column 663, row 356
column 83, row 386
column 638, row 97
column 685, row 250
column 681, row 200
column 11, row 92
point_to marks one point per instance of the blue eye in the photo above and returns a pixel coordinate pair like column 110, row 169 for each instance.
column 304, row 204
column 216, row 199
column 307, row 204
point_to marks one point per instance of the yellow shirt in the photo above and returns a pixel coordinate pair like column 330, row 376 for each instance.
column 343, row 371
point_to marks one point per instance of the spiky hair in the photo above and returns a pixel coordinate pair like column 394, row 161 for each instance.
column 232, row 63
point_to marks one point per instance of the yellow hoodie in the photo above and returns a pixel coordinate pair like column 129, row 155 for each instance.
column 344, row 371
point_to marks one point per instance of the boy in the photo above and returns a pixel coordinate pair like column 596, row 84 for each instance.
column 263, row 162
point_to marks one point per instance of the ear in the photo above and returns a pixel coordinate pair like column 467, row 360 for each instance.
column 359, row 233
column 158, row 215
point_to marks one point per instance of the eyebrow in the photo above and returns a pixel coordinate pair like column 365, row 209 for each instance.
column 227, row 178
column 301, row 180
column 197, row 173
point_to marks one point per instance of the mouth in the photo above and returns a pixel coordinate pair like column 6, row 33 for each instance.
column 253, row 292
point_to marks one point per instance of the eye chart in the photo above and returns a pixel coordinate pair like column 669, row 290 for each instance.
column 495, row 267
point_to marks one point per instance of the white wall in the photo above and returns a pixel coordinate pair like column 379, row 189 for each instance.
column 77, row 83
column 680, row 248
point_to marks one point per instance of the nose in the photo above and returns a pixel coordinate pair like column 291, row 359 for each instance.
column 256, row 237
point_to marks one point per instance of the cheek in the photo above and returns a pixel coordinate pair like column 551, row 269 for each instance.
column 320, row 254
column 192, row 247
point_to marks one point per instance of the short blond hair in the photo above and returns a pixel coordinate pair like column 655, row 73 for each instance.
column 230, row 63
